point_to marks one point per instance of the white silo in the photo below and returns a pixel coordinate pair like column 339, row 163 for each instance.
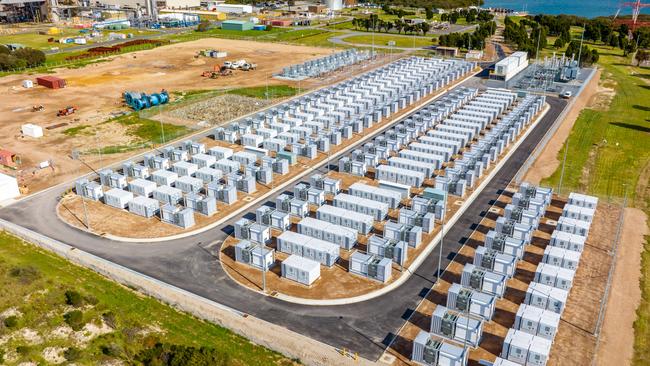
column 334, row 4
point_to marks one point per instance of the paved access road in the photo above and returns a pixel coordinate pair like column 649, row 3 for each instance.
column 192, row 264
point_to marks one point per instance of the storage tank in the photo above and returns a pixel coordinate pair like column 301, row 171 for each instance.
column 334, row 4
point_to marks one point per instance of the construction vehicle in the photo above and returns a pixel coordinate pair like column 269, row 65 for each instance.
column 234, row 65
column 66, row 111
column 38, row 108
column 248, row 67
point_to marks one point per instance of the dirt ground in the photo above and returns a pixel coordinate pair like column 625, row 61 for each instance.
column 547, row 162
column 617, row 335
column 574, row 344
column 96, row 91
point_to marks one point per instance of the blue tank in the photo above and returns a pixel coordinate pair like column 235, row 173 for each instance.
column 139, row 101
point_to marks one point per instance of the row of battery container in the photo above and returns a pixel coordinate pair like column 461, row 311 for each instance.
column 314, row 122
column 337, row 226
column 472, row 302
column 187, row 175
column 319, row 66
column 363, row 204
column 529, row 341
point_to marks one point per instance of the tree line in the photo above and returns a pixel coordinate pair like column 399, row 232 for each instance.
column 531, row 32
column 20, row 58
column 374, row 23
column 442, row 4
column 474, row 40
column 470, row 15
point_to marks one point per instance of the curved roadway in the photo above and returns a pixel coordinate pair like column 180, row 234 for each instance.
column 192, row 264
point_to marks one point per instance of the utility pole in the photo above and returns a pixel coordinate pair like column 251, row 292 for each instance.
column 566, row 150
column 263, row 268
column 442, row 235
column 83, row 201
column 582, row 38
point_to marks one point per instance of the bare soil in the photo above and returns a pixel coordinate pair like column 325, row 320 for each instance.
column 617, row 334
column 547, row 162
column 96, row 91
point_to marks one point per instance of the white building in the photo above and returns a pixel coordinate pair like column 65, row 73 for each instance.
column 8, row 187
column 229, row 8
column 510, row 66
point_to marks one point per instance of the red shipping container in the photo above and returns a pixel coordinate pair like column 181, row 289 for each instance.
column 51, row 82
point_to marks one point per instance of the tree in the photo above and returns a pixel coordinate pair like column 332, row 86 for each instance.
column 559, row 43
column 444, row 17
column 425, row 28
column 429, row 12
column 453, row 17
column 399, row 25
column 613, row 41
column 31, row 56
column 642, row 56
column 203, row 26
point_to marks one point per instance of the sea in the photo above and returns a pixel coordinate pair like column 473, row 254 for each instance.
column 585, row 8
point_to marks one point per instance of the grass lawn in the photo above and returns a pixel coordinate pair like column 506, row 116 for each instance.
column 609, row 147
column 318, row 40
column 383, row 39
column 274, row 91
column 39, row 289
column 77, row 130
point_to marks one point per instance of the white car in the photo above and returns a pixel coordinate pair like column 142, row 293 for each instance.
column 566, row 95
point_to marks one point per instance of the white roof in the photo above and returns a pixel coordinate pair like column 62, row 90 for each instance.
column 303, row 263
column 8, row 187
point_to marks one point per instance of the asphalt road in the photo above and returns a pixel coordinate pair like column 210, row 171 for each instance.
column 192, row 264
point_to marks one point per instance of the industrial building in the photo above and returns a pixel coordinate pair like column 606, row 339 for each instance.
column 345, row 237
column 254, row 255
column 456, row 326
column 371, row 266
column 8, row 187
column 300, row 269
column 510, row 66
column 323, row 252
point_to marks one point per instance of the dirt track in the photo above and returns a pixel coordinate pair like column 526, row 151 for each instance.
column 617, row 337
column 96, row 90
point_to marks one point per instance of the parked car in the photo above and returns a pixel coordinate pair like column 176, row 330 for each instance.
column 566, row 95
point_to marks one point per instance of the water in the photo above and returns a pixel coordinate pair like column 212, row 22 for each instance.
column 585, row 8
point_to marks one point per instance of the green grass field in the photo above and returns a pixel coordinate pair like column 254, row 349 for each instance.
column 39, row 289
column 383, row 39
column 608, row 147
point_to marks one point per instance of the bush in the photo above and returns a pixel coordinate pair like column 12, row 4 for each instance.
column 109, row 319
column 73, row 298
column 11, row 321
column 23, row 350
column 268, row 28
column 72, row 354
column 163, row 354
column 203, row 26
column 26, row 274
column 74, row 319
column 112, row 350
column 4, row 50
column 31, row 56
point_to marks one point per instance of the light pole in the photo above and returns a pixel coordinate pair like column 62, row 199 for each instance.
column 566, row 150
column 442, row 234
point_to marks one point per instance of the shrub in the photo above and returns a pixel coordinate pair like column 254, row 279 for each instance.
column 109, row 319
column 4, row 50
column 26, row 274
column 31, row 56
column 10, row 321
column 203, row 26
column 175, row 355
column 73, row 298
column 112, row 350
column 74, row 319
column 10, row 62
column 72, row 354
column 23, row 350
